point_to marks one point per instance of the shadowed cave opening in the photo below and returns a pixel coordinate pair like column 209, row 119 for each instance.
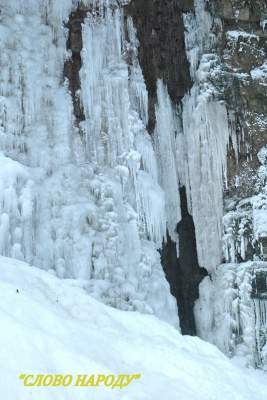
column 183, row 274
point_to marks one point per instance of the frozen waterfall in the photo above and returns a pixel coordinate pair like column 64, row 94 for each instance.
column 84, row 202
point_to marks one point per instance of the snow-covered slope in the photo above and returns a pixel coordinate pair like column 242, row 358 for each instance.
column 53, row 326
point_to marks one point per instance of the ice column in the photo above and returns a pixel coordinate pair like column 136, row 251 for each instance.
column 206, row 134
column 166, row 132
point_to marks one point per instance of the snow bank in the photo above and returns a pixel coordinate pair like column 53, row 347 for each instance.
column 53, row 326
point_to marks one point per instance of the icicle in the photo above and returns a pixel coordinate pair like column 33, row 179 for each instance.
column 260, row 307
column 153, row 206
column 165, row 133
column 198, row 35
column 206, row 133
column 104, row 82
column 138, row 91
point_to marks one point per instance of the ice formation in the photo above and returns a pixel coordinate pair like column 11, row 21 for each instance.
column 166, row 142
column 192, row 151
column 192, row 143
column 231, row 311
column 84, row 202
column 206, row 135
column 227, row 312
column 92, row 201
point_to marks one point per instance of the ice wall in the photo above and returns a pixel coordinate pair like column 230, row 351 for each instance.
column 82, row 202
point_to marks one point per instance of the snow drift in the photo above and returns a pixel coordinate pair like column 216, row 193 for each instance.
column 54, row 326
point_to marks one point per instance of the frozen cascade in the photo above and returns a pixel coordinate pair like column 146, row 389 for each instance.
column 198, row 36
column 166, row 132
column 86, row 205
column 112, row 124
column 206, row 133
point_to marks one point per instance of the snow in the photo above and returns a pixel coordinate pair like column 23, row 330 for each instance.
column 259, row 73
column 260, row 222
column 55, row 327
column 235, row 35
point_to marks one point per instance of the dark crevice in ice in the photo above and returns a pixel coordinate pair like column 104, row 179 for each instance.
column 184, row 274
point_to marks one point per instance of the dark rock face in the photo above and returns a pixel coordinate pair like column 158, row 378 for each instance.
column 243, row 53
column 259, row 285
column 160, row 31
column 245, row 94
column 73, row 65
column 184, row 274
column 242, row 10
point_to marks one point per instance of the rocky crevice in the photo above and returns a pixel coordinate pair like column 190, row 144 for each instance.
column 74, row 62
column 184, row 273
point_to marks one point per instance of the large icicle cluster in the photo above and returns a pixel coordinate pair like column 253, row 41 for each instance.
column 192, row 141
column 115, row 119
column 84, row 203
column 192, row 149
column 206, row 133
column 205, row 136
